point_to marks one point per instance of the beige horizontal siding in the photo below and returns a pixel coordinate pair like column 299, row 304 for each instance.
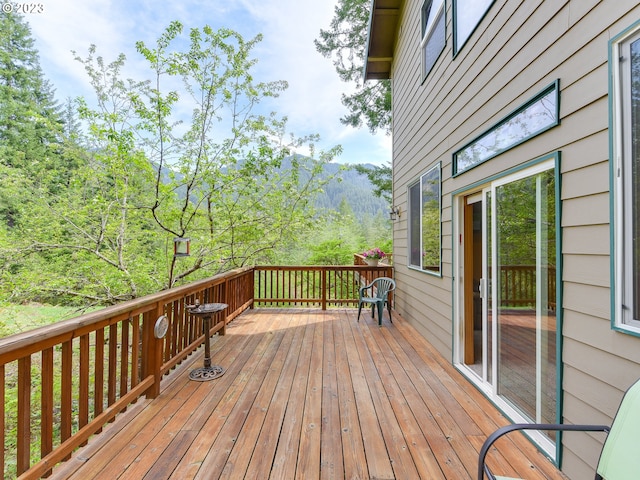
column 586, row 270
column 590, row 239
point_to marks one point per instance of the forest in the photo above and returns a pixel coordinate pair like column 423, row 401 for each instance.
column 93, row 191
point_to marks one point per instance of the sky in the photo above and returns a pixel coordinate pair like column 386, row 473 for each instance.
column 287, row 52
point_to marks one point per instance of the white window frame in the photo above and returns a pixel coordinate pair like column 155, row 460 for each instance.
column 429, row 29
column 622, row 180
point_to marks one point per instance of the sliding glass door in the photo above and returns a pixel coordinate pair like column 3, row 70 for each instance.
column 507, row 321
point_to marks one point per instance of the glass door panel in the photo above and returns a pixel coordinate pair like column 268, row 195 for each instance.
column 524, row 294
column 488, row 287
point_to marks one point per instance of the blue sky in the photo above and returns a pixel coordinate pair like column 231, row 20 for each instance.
column 312, row 102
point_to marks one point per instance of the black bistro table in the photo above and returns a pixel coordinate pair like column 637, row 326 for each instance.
column 206, row 312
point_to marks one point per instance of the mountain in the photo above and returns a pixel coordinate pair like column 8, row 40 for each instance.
column 354, row 188
column 348, row 185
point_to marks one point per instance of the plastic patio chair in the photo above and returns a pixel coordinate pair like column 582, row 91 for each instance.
column 380, row 289
column 620, row 456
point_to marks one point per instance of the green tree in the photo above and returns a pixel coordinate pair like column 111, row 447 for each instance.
column 370, row 104
column 381, row 178
column 149, row 174
column 226, row 188
column 29, row 121
column 345, row 43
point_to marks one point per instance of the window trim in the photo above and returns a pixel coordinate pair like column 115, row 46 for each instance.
column 454, row 8
column 619, row 160
column 437, row 167
column 427, row 35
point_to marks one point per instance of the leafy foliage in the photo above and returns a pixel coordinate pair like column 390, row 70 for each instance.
column 381, row 178
column 345, row 43
column 91, row 202
column 144, row 173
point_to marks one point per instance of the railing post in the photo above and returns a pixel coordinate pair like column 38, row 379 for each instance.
column 324, row 288
column 252, row 287
column 152, row 361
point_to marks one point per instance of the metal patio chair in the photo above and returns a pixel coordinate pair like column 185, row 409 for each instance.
column 620, row 455
column 380, row 289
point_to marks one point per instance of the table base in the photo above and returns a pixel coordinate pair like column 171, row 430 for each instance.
column 204, row 374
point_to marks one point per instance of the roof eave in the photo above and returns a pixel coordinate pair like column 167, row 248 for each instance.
column 383, row 24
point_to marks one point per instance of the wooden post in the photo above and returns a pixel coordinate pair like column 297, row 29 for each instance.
column 152, row 354
column 23, row 439
column 324, row 289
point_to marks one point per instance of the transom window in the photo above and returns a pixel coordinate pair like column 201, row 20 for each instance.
column 433, row 33
column 625, row 106
column 534, row 117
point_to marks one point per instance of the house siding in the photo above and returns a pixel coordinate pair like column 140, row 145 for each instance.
column 518, row 49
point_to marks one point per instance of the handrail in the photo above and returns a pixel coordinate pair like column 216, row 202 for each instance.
column 358, row 259
column 518, row 285
column 321, row 286
column 103, row 361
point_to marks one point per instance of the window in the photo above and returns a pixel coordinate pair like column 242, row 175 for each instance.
column 625, row 115
column 531, row 119
column 433, row 34
column 467, row 14
column 424, row 222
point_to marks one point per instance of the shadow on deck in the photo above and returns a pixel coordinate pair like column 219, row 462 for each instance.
column 310, row 394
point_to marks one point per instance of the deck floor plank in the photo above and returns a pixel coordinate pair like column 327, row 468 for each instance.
column 425, row 438
column 331, row 459
column 378, row 461
column 245, row 444
column 238, row 411
column 437, row 417
column 221, row 398
column 354, row 456
column 396, row 445
column 456, row 393
column 308, row 457
column 310, row 394
column 259, row 465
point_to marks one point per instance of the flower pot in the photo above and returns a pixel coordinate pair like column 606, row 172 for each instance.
column 372, row 262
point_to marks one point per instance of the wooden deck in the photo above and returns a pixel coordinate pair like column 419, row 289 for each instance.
column 310, row 394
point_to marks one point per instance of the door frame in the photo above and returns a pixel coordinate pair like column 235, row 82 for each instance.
column 551, row 161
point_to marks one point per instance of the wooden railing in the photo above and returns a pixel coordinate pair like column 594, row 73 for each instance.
column 358, row 259
column 319, row 286
column 67, row 380
column 518, row 286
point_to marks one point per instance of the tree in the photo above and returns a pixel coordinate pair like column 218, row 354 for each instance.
column 34, row 164
column 30, row 124
column 345, row 43
column 229, row 190
column 226, row 176
column 381, row 178
column 29, row 120
column 370, row 104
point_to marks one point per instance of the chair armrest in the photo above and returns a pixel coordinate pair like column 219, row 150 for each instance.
column 362, row 289
column 488, row 443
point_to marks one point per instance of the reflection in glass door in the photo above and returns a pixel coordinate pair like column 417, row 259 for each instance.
column 525, row 261
column 508, row 301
